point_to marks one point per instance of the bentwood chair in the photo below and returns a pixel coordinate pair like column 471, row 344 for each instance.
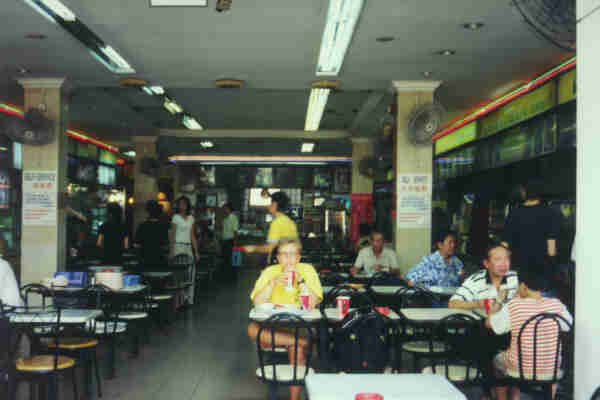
column 532, row 351
column 7, row 346
column 294, row 372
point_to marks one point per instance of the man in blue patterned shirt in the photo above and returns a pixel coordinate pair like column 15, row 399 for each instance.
column 441, row 268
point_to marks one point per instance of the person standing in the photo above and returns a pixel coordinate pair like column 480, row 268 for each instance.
column 281, row 226
column 183, row 239
column 531, row 232
column 112, row 237
column 152, row 237
column 231, row 226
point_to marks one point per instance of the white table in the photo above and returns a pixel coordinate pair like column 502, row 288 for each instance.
column 128, row 289
column 434, row 314
column 385, row 289
column 327, row 289
column 447, row 291
column 390, row 386
column 261, row 315
column 333, row 314
column 67, row 316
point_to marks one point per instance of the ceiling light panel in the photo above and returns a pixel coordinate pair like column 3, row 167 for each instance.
column 316, row 105
column 307, row 147
column 342, row 17
column 51, row 9
column 191, row 123
column 178, row 3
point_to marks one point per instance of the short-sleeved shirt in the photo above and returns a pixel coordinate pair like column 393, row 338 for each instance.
column 479, row 286
column 183, row 228
column 9, row 289
column 152, row 236
column 367, row 259
column 527, row 230
column 230, row 226
column 282, row 295
column 432, row 270
column 512, row 317
column 282, row 226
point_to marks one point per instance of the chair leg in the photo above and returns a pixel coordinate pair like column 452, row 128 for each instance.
column 95, row 361
column 75, row 391
column 111, row 356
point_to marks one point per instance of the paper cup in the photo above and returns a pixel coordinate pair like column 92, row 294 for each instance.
column 343, row 304
column 383, row 310
column 488, row 304
column 305, row 300
column 291, row 275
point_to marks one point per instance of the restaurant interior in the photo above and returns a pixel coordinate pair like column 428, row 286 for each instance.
column 409, row 118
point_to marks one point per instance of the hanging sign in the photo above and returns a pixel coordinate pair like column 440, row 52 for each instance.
column 39, row 198
column 414, row 201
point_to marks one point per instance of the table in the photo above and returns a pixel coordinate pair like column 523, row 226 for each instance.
column 334, row 315
column 157, row 274
column 434, row 314
column 67, row 316
column 261, row 315
column 72, row 289
column 390, row 386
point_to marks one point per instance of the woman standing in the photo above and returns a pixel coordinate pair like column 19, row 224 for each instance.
column 112, row 237
column 183, row 238
column 152, row 237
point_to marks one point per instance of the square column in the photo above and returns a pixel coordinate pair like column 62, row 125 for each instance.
column 145, row 187
column 361, row 210
column 413, row 170
column 43, row 240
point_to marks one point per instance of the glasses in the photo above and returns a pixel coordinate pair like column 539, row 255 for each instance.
column 287, row 254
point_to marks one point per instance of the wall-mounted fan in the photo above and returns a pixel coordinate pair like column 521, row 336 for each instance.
column 554, row 20
column 424, row 121
column 35, row 129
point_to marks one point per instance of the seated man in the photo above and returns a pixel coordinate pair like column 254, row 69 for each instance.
column 9, row 289
column 511, row 317
column 441, row 268
column 376, row 258
column 271, row 287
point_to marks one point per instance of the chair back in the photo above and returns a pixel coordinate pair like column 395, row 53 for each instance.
column 540, row 339
column 35, row 295
column 357, row 299
column 386, row 278
column 363, row 342
column 331, row 278
column 414, row 297
column 296, row 325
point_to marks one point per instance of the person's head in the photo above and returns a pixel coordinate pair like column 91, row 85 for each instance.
column 446, row 243
column 288, row 251
column 376, row 241
column 364, row 229
column 183, row 205
column 153, row 209
column 529, row 281
column 533, row 189
column 114, row 212
column 227, row 208
column 279, row 202
column 497, row 260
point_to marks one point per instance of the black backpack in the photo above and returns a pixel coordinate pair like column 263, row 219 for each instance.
column 362, row 342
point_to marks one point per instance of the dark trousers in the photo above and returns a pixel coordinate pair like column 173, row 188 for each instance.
column 229, row 272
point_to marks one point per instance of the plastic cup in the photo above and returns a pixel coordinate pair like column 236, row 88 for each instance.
column 368, row 396
column 488, row 303
column 343, row 304
column 305, row 299
column 291, row 275
column 383, row 310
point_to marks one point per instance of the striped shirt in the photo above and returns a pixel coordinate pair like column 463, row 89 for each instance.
column 479, row 286
column 512, row 317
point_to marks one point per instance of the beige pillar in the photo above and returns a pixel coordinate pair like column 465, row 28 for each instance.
column 144, row 186
column 43, row 246
column 413, row 237
column 362, row 187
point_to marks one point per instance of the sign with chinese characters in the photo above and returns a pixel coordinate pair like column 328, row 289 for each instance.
column 414, row 201
column 39, row 198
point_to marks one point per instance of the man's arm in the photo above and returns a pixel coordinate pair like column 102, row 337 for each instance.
column 464, row 304
column 418, row 272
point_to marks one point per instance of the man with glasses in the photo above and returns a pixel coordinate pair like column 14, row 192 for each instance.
column 275, row 285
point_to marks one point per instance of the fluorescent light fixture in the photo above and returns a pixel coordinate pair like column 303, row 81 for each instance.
column 172, row 106
column 130, row 153
column 339, row 28
column 122, row 66
column 178, row 3
column 157, row 90
column 316, row 106
column 191, row 123
column 51, row 9
column 307, row 147
column 147, row 90
column 207, row 144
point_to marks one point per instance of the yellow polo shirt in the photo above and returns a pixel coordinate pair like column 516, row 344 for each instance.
column 282, row 226
column 280, row 294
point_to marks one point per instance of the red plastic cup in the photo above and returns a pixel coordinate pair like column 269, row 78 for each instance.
column 291, row 275
column 368, row 396
column 108, row 270
column 488, row 303
column 343, row 304
column 305, row 299
column 383, row 310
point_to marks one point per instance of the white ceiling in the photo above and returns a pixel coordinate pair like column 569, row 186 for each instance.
column 273, row 45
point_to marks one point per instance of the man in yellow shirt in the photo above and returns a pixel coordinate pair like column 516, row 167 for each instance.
column 271, row 287
column 281, row 226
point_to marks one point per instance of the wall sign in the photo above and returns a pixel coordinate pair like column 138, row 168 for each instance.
column 461, row 136
column 40, row 190
column 414, row 201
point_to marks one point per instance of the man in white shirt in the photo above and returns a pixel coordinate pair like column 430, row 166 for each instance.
column 9, row 289
column 376, row 257
column 231, row 226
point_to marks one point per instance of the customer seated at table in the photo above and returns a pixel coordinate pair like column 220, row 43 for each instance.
column 511, row 317
column 271, row 287
column 376, row 257
column 442, row 268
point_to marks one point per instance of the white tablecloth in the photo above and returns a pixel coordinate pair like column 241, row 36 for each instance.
column 261, row 315
column 67, row 316
column 433, row 314
column 390, row 386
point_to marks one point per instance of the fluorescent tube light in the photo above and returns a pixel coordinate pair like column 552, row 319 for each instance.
column 147, row 90
column 172, row 107
column 307, row 147
column 122, row 66
column 51, row 8
column 191, row 123
column 130, row 153
column 207, row 144
column 316, row 106
column 178, row 3
column 339, row 28
column 157, row 90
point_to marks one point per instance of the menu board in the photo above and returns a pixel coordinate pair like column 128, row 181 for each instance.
column 39, row 198
column 457, row 138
